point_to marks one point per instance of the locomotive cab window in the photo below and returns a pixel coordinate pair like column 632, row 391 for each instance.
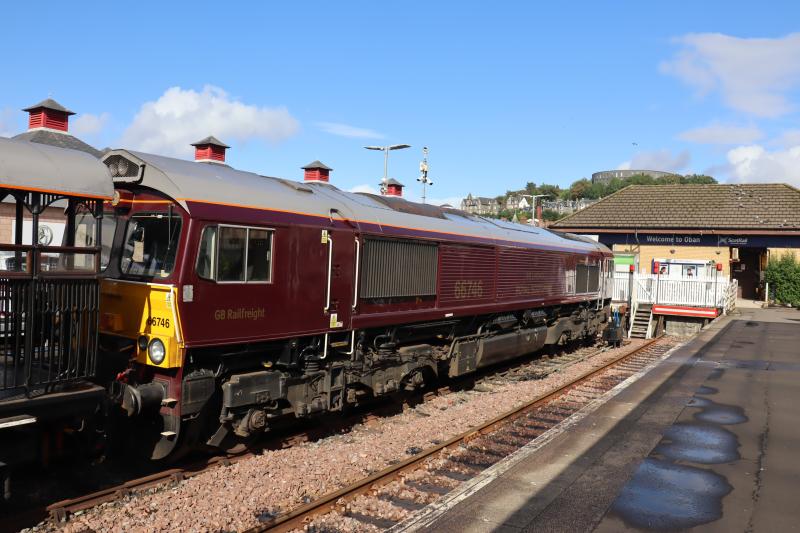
column 235, row 254
column 151, row 245
column 85, row 232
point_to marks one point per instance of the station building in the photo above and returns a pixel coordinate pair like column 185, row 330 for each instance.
column 687, row 227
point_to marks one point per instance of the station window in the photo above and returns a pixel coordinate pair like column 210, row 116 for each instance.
column 235, row 254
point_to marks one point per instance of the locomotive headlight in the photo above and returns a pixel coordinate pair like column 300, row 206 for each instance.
column 156, row 351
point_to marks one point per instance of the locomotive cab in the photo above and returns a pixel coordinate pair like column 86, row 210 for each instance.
column 140, row 318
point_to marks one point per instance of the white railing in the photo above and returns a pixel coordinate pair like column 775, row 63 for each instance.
column 712, row 291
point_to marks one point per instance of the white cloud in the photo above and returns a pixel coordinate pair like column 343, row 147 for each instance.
column 788, row 139
column 88, row 124
column 717, row 133
column 8, row 126
column 658, row 160
column 754, row 163
column 182, row 116
column 753, row 75
column 345, row 130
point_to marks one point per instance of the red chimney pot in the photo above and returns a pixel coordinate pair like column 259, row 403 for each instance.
column 393, row 188
column 210, row 150
column 48, row 114
column 316, row 171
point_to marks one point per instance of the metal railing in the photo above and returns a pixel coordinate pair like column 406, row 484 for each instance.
column 49, row 317
column 712, row 291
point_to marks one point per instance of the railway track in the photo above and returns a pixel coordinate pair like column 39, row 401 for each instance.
column 388, row 497
column 524, row 369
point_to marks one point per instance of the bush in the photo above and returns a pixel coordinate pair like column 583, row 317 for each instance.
column 783, row 276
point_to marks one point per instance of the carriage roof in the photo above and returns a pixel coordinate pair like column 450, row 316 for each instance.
column 27, row 166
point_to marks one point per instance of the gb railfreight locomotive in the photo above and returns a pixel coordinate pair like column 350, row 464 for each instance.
column 241, row 299
column 204, row 305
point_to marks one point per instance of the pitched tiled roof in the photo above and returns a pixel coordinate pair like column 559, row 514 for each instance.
column 57, row 139
column 316, row 164
column 210, row 140
column 49, row 103
column 771, row 206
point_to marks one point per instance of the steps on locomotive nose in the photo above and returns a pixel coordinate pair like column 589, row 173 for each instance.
column 641, row 321
column 15, row 421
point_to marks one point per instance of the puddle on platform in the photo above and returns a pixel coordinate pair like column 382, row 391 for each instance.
column 698, row 402
column 665, row 496
column 718, row 413
column 699, row 443
column 706, row 390
column 666, row 493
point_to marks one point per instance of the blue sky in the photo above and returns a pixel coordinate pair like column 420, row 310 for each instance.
column 501, row 92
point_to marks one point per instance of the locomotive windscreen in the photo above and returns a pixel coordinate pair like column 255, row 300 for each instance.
column 395, row 268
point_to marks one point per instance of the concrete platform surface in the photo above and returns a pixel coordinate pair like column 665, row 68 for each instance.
column 708, row 440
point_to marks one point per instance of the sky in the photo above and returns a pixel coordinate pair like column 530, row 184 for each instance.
column 502, row 93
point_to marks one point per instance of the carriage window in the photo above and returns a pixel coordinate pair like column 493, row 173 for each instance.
column 235, row 254
column 151, row 244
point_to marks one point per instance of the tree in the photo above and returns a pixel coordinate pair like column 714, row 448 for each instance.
column 698, row 179
column 553, row 191
column 552, row 215
column 783, row 276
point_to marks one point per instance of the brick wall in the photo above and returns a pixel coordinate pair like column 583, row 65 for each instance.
column 8, row 214
column 776, row 253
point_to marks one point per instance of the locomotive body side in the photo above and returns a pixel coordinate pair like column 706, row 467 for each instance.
column 306, row 298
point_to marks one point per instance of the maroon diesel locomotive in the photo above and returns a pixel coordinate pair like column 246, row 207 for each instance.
column 242, row 299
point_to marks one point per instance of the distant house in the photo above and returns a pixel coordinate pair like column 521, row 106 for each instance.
column 479, row 205
column 567, row 206
column 515, row 202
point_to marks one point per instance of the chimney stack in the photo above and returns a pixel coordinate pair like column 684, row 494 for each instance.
column 316, row 171
column 48, row 114
column 393, row 188
column 210, row 150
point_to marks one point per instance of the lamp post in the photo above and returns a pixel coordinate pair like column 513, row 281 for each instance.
column 386, row 150
column 423, row 168
column 533, row 198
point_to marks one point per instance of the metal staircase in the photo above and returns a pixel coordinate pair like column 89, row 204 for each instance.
column 642, row 319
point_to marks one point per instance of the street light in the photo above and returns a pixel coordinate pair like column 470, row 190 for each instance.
column 423, row 168
column 533, row 198
column 386, row 150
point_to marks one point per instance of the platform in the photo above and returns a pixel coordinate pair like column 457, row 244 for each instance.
column 707, row 439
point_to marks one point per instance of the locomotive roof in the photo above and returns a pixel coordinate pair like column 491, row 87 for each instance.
column 189, row 181
column 39, row 167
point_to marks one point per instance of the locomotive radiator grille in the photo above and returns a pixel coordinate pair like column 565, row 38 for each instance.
column 395, row 268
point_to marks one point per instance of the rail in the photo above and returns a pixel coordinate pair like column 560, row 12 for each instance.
column 299, row 518
column 61, row 511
